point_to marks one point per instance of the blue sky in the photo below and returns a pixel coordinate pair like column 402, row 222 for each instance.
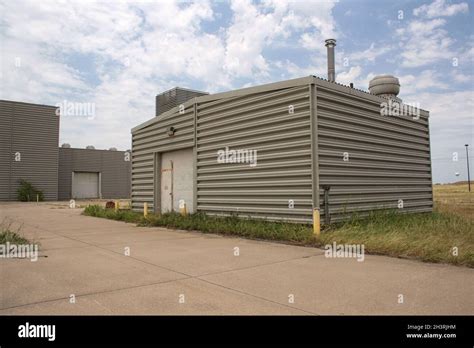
column 119, row 55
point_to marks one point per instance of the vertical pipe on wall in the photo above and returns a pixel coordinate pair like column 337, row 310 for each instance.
column 172, row 193
column 157, row 183
column 195, row 196
column 327, row 214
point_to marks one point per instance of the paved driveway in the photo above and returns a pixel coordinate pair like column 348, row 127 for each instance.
column 178, row 272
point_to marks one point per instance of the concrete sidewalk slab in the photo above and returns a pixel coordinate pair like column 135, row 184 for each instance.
column 122, row 238
column 211, row 253
column 59, row 243
column 162, row 299
column 344, row 286
column 73, row 271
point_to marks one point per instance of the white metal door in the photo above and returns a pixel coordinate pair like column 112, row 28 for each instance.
column 166, row 186
column 177, row 180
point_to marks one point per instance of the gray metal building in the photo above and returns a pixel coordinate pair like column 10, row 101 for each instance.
column 312, row 136
column 91, row 173
column 29, row 135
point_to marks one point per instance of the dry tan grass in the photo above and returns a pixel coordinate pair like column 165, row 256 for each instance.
column 454, row 199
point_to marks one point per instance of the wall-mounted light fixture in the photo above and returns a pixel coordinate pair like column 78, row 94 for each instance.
column 170, row 131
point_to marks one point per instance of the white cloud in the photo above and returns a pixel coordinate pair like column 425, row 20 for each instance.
column 439, row 8
column 347, row 77
column 369, row 54
column 424, row 42
column 426, row 79
column 463, row 78
column 256, row 26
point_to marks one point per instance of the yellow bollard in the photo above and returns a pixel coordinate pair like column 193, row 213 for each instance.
column 316, row 222
column 117, row 205
column 145, row 209
column 182, row 207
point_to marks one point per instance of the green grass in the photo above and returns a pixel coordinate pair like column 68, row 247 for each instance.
column 258, row 229
column 120, row 215
column 429, row 237
column 7, row 234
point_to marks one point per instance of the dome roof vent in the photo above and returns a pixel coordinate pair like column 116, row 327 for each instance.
column 386, row 86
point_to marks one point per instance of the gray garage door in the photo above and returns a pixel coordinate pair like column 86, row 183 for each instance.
column 85, row 185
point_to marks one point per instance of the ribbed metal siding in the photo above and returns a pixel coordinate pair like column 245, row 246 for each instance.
column 64, row 174
column 389, row 156
column 114, row 169
column 283, row 142
column 6, row 114
column 153, row 138
column 34, row 133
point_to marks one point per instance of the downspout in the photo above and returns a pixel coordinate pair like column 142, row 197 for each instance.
column 327, row 214
column 171, row 193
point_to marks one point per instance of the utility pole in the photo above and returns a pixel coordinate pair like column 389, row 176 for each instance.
column 468, row 174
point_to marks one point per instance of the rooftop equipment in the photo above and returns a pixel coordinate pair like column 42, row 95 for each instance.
column 330, row 44
column 387, row 86
column 169, row 99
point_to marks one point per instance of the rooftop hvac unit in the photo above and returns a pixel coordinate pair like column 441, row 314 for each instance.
column 167, row 100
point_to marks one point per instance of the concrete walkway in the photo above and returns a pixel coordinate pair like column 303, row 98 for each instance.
column 178, row 272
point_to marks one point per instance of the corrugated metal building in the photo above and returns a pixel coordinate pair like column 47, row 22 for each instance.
column 309, row 134
column 282, row 150
column 90, row 173
column 29, row 135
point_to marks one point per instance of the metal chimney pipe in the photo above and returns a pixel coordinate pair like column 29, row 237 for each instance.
column 330, row 44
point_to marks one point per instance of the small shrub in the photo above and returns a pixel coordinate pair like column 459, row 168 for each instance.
column 7, row 234
column 27, row 192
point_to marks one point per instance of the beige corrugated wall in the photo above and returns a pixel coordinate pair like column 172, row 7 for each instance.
column 276, row 124
column 387, row 157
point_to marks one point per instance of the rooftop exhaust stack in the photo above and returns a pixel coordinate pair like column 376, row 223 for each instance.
column 330, row 44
